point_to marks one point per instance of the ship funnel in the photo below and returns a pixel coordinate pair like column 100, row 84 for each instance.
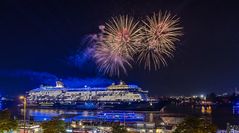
column 59, row 84
column 122, row 82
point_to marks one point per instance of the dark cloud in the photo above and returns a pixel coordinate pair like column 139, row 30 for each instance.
column 38, row 77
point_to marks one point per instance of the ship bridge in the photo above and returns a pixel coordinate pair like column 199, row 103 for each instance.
column 122, row 86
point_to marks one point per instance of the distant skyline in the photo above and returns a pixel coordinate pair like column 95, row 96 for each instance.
column 38, row 37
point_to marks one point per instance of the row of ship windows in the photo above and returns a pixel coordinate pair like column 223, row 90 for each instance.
column 90, row 94
column 83, row 93
column 102, row 99
column 49, row 97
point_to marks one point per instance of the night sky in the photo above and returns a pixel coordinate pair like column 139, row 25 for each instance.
column 37, row 38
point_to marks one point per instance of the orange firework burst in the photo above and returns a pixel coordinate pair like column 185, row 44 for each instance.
column 160, row 32
column 123, row 34
column 117, row 43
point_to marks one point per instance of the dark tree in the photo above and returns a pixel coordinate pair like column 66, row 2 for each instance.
column 6, row 122
column 212, row 97
column 116, row 128
column 54, row 126
column 195, row 125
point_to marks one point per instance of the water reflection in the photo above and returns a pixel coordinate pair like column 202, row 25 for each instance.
column 69, row 115
column 1, row 105
column 235, row 109
column 172, row 114
column 206, row 109
column 151, row 117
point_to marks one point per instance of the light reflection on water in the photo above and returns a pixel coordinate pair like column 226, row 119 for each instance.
column 128, row 117
column 172, row 114
column 235, row 108
column 0, row 104
column 69, row 115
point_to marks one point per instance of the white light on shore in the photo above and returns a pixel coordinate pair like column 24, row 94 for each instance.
column 202, row 96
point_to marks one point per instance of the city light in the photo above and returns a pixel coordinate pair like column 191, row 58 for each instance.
column 21, row 97
column 24, row 109
column 202, row 96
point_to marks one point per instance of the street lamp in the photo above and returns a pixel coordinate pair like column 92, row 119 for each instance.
column 24, row 109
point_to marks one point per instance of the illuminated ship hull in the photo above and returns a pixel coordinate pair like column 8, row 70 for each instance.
column 117, row 97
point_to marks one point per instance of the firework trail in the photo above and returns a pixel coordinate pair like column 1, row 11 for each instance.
column 111, row 61
column 160, row 33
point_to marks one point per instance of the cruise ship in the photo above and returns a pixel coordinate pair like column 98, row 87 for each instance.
column 116, row 96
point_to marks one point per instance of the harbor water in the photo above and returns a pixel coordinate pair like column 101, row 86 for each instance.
column 170, row 115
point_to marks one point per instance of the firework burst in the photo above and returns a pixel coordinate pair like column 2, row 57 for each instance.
column 160, row 32
column 110, row 61
column 123, row 34
column 116, row 44
column 122, row 38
